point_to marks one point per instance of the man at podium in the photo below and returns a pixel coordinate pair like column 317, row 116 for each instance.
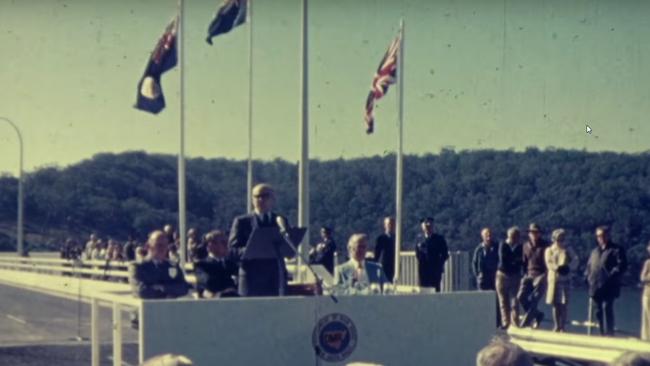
column 254, row 241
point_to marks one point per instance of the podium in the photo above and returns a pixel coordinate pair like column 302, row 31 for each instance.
column 269, row 243
column 262, row 271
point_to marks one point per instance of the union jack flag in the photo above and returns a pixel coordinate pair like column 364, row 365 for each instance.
column 386, row 75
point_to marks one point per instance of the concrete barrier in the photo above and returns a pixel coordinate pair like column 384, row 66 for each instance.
column 440, row 329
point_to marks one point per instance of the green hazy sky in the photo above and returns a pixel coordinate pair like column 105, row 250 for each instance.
column 478, row 74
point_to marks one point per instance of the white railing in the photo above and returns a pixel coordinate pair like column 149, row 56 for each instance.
column 455, row 278
column 20, row 272
column 53, row 275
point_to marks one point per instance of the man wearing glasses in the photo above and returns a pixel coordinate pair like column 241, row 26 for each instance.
column 257, row 277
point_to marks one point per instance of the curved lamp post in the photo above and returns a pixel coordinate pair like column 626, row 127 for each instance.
column 19, row 224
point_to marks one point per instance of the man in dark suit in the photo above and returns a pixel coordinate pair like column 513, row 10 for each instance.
column 606, row 265
column 385, row 248
column 257, row 277
column 214, row 274
column 431, row 253
column 156, row 277
column 323, row 252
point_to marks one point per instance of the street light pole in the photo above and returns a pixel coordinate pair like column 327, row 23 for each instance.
column 19, row 224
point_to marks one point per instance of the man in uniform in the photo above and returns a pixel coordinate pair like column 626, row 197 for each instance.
column 432, row 253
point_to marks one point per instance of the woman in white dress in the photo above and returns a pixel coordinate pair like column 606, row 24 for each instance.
column 645, row 299
column 560, row 260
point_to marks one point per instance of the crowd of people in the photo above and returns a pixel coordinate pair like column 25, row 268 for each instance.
column 522, row 272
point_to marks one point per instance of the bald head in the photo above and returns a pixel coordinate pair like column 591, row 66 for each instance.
column 263, row 198
column 158, row 245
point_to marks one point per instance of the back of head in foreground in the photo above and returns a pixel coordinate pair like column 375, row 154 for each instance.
column 632, row 359
column 168, row 360
column 502, row 353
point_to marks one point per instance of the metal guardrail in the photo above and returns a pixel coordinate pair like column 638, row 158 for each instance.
column 99, row 293
column 456, row 276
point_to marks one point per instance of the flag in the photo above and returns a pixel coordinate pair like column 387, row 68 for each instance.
column 386, row 75
column 164, row 57
column 229, row 15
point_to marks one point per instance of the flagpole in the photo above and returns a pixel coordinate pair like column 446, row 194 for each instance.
column 400, row 163
column 181, row 153
column 303, row 176
column 249, row 168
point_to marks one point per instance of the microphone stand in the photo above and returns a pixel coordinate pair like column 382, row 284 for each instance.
column 319, row 281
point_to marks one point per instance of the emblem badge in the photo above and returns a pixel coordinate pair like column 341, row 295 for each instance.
column 334, row 337
column 173, row 272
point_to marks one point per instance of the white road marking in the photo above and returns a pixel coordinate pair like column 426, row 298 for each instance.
column 19, row 320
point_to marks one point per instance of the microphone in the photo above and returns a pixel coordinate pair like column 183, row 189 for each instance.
column 282, row 224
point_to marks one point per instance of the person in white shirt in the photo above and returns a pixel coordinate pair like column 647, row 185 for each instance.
column 358, row 270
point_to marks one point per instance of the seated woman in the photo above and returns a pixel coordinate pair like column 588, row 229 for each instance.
column 214, row 274
column 358, row 270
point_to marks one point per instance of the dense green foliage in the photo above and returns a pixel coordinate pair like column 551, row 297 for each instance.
column 115, row 194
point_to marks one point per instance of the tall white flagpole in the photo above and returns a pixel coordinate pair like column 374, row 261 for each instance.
column 400, row 163
column 181, row 152
column 249, row 167
column 303, row 174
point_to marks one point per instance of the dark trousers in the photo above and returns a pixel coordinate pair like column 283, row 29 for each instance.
column 605, row 315
column 531, row 290
column 428, row 280
column 261, row 277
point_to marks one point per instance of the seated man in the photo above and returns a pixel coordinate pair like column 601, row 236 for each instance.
column 214, row 274
column 156, row 277
column 358, row 270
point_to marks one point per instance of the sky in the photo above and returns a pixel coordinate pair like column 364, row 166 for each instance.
column 479, row 74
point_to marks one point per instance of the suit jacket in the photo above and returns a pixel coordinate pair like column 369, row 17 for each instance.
column 431, row 253
column 241, row 230
column 604, row 270
column 151, row 281
column 258, row 277
column 324, row 255
column 344, row 273
column 215, row 275
column 385, row 253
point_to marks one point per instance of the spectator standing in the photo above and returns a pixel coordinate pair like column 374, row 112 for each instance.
column 606, row 265
column 508, row 277
column 385, row 248
column 323, row 252
column 485, row 261
column 645, row 299
column 533, row 284
column 431, row 253
column 560, row 260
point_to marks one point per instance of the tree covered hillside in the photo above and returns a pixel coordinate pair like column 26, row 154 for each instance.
column 116, row 194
